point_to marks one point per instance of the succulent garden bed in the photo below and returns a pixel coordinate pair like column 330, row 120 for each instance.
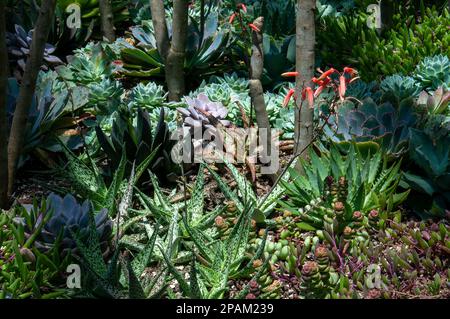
column 101, row 208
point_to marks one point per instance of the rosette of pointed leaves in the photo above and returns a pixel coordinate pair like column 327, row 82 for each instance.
column 434, row 72
column 383, row 124
column 90, row 65
column 68, row 220
column 402, row 87
column 436, row 103
column 148, row 96
column 105, row 95
column 202, row 50
column 138, row 141
column 19, row 46
column 47, row 121
column 198, row 110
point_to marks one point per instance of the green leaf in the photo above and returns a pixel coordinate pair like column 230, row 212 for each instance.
column 305, row 226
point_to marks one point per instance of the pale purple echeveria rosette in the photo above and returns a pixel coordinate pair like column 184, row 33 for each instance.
column 194, row 117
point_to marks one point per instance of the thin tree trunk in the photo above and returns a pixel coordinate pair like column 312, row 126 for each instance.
column 256, row 88
column 160, row 26
column 27, row 88
column 177, row 52
column 3, row 120
column 107, row 20
column 387, row 13
column 173, row 53
column 305, row 43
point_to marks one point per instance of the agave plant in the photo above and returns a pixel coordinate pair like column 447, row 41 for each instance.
column 434, row 72
column 68, row 219
column 202, row 51
column 19, row 46
column 47, row 121
column 279, row 57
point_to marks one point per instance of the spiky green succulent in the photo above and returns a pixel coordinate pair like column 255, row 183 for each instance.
column 138, row 141
column 357, row 182
column 89, row 65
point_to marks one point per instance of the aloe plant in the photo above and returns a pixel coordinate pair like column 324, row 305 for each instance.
column 366, row 183
column 138, row 140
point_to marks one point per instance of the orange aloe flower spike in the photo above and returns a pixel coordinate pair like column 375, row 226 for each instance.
column 342, row 87
column 243, row 7
column 254, row 27
column 327, row 74
column 288, row 97
column 232, row 17
column 318, row 91
column 352, row 72
column 290, row 74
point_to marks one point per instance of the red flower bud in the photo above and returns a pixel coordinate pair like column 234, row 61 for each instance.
column 290, row 74
column 254, row 27
column 342, row 87
column 350, row 71
column 308, row 94
column 327, row 73
column 288, row 97
column 232, row 17
column 242, row 6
